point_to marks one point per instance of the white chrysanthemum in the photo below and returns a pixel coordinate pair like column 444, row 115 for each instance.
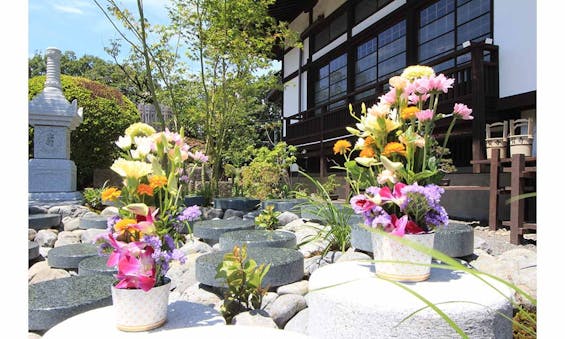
column 124, row 142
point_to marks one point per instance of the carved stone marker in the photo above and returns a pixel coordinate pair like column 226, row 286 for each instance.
column 52, row 175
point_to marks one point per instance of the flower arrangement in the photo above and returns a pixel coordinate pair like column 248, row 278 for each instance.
column 144, row 238
column 399, row 160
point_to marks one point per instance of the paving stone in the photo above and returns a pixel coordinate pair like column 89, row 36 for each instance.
column 93, row 221
column 211, row 230
column 96, row 265
column 237, row 203
column 257, row 238
column 42, row 221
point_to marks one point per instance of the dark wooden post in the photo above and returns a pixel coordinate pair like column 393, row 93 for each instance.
column 516, row 206
column 478, row 105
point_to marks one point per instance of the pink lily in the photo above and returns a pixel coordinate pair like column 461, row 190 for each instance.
column 137, row 272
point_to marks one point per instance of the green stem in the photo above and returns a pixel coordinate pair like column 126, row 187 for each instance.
column 448, row 132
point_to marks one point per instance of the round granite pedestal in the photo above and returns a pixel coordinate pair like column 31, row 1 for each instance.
column 257, row 238
column 33, row 250
column 69, row 256
column 52, row 301
column 95, row 221
column 95, row 265
column 211, row 230
column 287, row 266
column 357, row 304
column 43, row 221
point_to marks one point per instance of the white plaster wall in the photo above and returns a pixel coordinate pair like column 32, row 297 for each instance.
column 305, row 50
column 515, row 34
column 304, row 103
column 326, row 7
column 378, row 15
column 290, row 97
column 300, row 23
column 291, row 60
column 329, row 47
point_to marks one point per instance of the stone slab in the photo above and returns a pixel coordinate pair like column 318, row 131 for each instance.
column 287, row 266
column 95, row 265
column 52, row 175
column 94, row 221
column 257, row 238
column 69, row 256
column 282, row 205
column 360, row 237
column 44, row 220
column 51, row 302
column 211, row 230
column 33, row 250
column 50, row 199
column 237, row 203
column 456, row 239
column 358, row 303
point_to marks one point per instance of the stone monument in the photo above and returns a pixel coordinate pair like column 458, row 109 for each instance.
column 52, row 175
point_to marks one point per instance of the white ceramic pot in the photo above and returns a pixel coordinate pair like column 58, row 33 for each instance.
column 388, row 249
column 499, row 143
column 521, row 144
column 137, row 310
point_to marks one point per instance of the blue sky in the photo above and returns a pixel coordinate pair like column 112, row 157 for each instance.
column 79, row 25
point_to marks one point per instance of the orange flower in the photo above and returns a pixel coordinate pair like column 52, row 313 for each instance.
column 409, row 112
column 125, row 225
column 394, row 147
column 110, row 194
column 367, row 152
column 157, row 181
column 145, row 189
column 369, row 141
column 342, row 146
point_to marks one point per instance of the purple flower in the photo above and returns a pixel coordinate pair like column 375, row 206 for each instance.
column 111, row 222
column 154, row 242
column 190, row 213
column 382, row 219
column 184, row 178
column 373, row 190
column 178, row 255
column 169, row 241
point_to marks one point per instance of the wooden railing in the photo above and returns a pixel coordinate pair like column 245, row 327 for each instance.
column 321, row 123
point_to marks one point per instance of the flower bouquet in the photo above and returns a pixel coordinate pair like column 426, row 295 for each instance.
column 398, row 165
column 144, row 238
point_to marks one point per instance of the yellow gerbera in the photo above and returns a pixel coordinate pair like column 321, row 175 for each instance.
column 145, row 189
column 157, row 181
column 125, row 225
column 139, row 129
column 394, row 147
column 367, row 152
column 409, row 112
column 342, row 146
column 110, row 194
column 131, row 169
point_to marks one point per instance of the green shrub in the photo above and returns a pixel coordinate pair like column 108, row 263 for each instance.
column 106, row 114
column 268, row 218
column 243, row 278
column 92, row 197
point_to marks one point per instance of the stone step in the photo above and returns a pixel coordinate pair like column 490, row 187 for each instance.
column 257, row 238
column 96, row 265
column 33, row 250
column 50, row 302
column 287, row 266
column 237, row 203
column 44, row 220
column 211, row 230
column 282, row 205
column 94, row 221
column 69, row 256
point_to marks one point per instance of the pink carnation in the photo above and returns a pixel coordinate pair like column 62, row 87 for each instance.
column 462, row 111
column 440, row 83
column 425, row 115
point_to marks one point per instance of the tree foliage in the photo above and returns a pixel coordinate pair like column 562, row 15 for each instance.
column 106, row 114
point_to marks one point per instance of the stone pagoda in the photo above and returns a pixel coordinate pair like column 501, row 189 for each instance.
column 52, row 175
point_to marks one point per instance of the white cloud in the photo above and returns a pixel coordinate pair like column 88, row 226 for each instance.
column 68, row 9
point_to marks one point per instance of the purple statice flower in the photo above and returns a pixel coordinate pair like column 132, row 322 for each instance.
column 111, row 222
column 153, row 241
column 169, row 241
column 178, row 226
column 178, row 255
column 383, row 219
column 437, row 216
column 373, row 190
column 184, row 178
column 190, row 213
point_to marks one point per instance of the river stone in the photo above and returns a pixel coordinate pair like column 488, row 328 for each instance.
column 73, row 211
column 70, row 223
column 89, row 236
column 211, row 230
column 110, row 211
column 456, row 239
column 96, row 265
column 287, row 266
column 209, row 213
column 287, row 217
column 285, row 307
column 254, row 318
column 42, row 221
column 299, row 323
column 346, row 300
column 231, row 214
column 51, row 302
column 299, row 288
column 237, row 203
column 46, row 238
column 69, row 256
column 93, row 221
column 33, row 250
column 31, row 233
column 257, row 238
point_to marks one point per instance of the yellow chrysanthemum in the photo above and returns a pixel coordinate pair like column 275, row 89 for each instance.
column 157, row 181
column 409, row 113
column 394, row 147
column 417, row 71
column 131, row 169
column 367, row 152
column 139, row 129
column 125, row 225
column 145, row 189
column 110, row 194
column 342, row 146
